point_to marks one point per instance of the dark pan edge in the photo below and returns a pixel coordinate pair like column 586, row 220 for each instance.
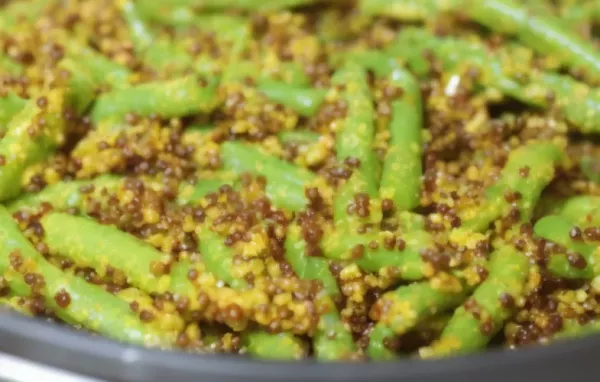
column 98, row 357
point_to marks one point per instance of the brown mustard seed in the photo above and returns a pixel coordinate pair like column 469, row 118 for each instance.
column 62, row 298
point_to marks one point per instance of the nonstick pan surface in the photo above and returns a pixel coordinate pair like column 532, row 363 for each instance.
column 64, row 348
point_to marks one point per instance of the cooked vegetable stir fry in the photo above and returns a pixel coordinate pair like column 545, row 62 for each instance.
column 337, row 179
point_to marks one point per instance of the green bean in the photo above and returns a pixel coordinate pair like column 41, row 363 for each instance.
column 572, row 329
column 285, row 181
column 456, row 54
column 100, row 68
column 218, row 258
column 192, row 193
column 19, row 149
column 407, row 10
column 402, row 168
column 475, row 323
column 298, row 136
column 305, row 101
column 15, row 303
column 158, row 52
column 528, row 170
column 82, row 88
column 401, row 310
column 248, row 5
column 10, row 105
column 581, row 210
column 381, row 63
column 280, row 346
column 377, row 349
column 407, row 262
column 64, row 195
column 557, row 229
column 179, row 16
column 355, row 139
column 333, row 341
column 543, row 33
column 100, row 246
column 578, row 103
column 89, row 305
column 546, row 35
column 172, row 98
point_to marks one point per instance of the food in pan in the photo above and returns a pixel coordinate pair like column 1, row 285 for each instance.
column 343, row 180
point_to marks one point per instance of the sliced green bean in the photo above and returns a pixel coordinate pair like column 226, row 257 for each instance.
column 409, row 305
column 65, row 195
column 158, row 52
column 298, row 136
column 402, row 168
column 557, row 229
column 19, row 149
column 305, row 101
column 280, row 346
column 10, row 105
column 218, row 258
column 581, row 210
column 172, row 98
column 407, row 10
column 82, row 88
column 100, row 246
column 355, row 140
column 332, row 341
column 100, row 68
column 407, row 262
column 475, row 323
column 546, row 35
column 285, row 181
column 89, row 305
column 528, row 171
column 192, row 193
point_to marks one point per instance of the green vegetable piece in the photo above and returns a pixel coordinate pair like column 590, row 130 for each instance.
column 65, row 195
column 82, row 89
column 99, row 246
column 355, row 140
column 536, row 161
column 557, row 229
column 402, row 168
column 305, row 101
column 407, row 10
column 582, row 210
column 89, row 306
column 508, row 271
column 298, row 136
column 332, row 341
column 218, row 257
column 100, row 68
column 285, row 181
column 403, row 309
column 172, row 98
column 10, row 105
column 546, row 35
column 19, row 149
column 406, row 262
column 282, row 346
column 193, row 193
